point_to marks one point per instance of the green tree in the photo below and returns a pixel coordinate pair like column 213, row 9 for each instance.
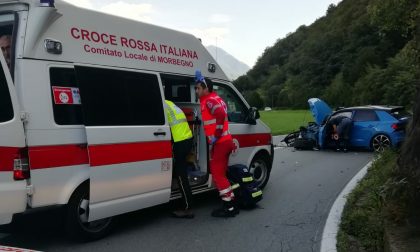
column 361, row 52
column 254, row 99
column 339, row 93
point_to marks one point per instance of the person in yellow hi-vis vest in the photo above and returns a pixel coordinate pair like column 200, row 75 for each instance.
column 182, row 145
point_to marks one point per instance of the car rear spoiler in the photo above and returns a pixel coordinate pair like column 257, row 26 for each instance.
column 397, row 108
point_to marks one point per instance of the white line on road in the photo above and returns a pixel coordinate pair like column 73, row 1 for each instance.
column 329, row 235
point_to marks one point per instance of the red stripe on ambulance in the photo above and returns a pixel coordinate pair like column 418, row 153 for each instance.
column 252, row 140
column 41, row 157
column 109, row 154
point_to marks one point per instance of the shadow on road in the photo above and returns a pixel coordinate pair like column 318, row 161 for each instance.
column 40, row 230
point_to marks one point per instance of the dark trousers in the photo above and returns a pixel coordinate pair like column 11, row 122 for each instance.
column 181, row 150
column 344, row 128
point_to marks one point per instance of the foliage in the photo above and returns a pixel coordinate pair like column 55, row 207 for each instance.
column 362, row 223
column 254, row 99
column 389, row 192
column 361, row 52
column 402, row 194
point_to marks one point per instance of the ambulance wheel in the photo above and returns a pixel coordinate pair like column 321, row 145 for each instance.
column 77, row 225
column 260, row 169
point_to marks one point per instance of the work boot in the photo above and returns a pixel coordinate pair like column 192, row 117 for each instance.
column 229, row 209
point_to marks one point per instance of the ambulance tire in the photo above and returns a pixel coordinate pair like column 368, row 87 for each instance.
column 260, row 169
column 77, row 210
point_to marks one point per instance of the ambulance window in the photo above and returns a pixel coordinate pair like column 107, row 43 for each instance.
column 177, row 88
column 66, row 106
column 6, row 108
column 120, row 98
column 7, row 23
column 237, row 110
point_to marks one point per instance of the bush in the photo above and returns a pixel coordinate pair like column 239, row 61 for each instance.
column 363, row 216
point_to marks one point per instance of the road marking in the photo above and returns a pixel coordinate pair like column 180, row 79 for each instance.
column 281, row 147
column 329, row 235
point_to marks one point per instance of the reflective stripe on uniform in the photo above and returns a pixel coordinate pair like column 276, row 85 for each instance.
column 184, row 194
column 175, row 122
column 208, row 122
column 247, row 179
column 227, row 190
column 214, row 108
column 172, row 120
column 219, row 126
column 256, row 194
column 234, row 186
column 213, row 121
column 227, row 198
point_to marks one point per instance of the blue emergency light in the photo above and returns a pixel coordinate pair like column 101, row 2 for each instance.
column 47, row 3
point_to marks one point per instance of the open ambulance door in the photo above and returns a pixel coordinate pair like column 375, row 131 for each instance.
column 13, row 164
column 129, row 140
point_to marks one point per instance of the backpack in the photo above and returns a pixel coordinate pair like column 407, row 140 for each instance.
column 244, row 187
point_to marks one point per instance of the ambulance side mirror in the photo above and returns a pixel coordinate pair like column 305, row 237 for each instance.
column 252, row 116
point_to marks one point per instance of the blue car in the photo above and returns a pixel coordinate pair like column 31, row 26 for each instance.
column 373, row 127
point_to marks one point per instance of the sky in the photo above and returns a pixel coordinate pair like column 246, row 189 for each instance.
column 243, row 28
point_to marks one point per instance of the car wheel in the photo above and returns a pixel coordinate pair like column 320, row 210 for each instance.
column 380, row 143
column 260, row 170
column 77, row 225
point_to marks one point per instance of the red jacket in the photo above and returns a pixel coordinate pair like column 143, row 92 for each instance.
column 215, row 120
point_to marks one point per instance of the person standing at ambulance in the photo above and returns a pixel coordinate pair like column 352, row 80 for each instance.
column 5, row 44
column 182, row 145
column 216, row 127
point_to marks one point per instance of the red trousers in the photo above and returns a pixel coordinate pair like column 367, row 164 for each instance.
column 219, row 160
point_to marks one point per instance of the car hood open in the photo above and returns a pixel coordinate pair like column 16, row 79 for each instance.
column 319, row 109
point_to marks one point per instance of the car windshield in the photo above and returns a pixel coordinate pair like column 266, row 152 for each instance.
column 346, row 114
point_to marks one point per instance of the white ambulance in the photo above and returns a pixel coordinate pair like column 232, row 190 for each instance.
column 82, row 122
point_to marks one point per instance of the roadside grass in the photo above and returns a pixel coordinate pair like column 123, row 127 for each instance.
column 285, row 121
column 362, row 222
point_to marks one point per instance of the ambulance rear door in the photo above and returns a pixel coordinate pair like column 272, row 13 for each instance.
column 129, row 141
column 12, row 144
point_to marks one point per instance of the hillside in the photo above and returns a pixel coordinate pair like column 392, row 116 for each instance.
column 232, row 67
column 360, row 52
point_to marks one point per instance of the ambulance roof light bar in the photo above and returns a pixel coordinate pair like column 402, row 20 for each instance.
column 46, row 3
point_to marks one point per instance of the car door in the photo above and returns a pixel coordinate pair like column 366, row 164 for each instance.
column 129, row 140
column 365, row 123
column 12, row 142
column 247, row 137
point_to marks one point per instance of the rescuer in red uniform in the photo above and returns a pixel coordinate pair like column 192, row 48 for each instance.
column 216, row 127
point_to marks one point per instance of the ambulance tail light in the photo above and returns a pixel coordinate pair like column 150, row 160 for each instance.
column 21, row 165
column 46, row 3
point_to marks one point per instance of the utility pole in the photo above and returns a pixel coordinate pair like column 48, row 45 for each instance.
column 272, row 103
column 216, row 49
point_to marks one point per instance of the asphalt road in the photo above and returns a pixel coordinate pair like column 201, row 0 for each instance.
column 291, row 217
